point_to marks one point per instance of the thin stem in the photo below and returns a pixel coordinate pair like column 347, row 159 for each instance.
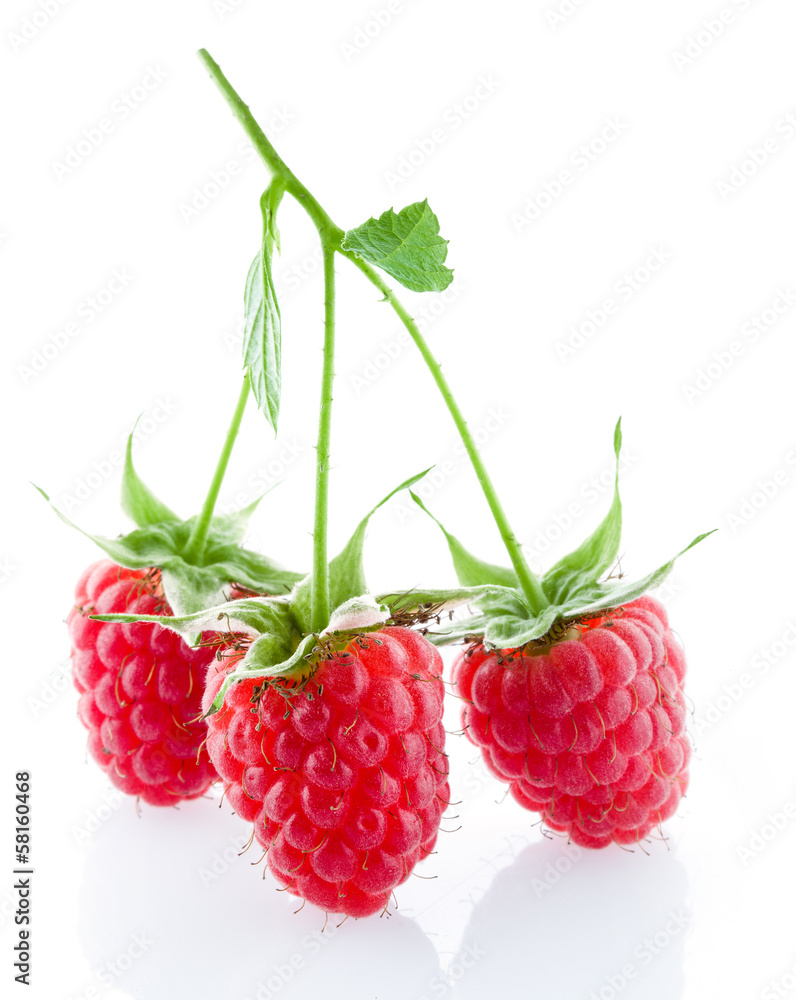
column 319, row 614
column 331, row 236
column 529, row 584
column 268, row 154
column 194, row 551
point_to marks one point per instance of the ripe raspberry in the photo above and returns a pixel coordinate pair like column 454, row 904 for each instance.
column 588, row 732
column 345, row 779
column 141, row 689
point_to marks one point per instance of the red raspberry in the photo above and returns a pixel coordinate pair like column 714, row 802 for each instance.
column 141, row 688
column 588, row 732
column 344, row 778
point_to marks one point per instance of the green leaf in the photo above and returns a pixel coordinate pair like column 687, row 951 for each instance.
column 407, row 246
column 346, row 571
column 262, row 335
column 139, row 502
column 583, row 567
column 470, row 570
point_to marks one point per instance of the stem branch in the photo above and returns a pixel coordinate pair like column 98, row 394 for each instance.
column 331, row 239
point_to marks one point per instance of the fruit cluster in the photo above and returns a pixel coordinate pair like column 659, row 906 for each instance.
column 316, row 703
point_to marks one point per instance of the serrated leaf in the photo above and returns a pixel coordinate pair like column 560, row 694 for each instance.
column 262, row 334
column 406, row 245
column 346, row 571
column 580, row 569
column 139, row 502
column 470, row 571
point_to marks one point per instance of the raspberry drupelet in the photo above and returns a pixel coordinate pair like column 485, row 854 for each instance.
column 343, row 776
column 589, row 731
column 140, row 688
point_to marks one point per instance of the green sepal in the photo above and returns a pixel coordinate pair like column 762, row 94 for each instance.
column 416, row 601
column 406, row 245
column 189, row 588
column 346, row 570
column 610, row 595
column 138, row 501
column 470, row 571
column 262, row 333
column 510, row 630
column 577, row 572
column 277, row 648
column 503, row 618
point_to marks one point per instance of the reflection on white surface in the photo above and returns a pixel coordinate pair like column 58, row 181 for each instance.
column 166, row 899
column 576, row 924
column 174, row 880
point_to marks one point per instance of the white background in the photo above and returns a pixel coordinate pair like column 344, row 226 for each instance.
column 507, row 912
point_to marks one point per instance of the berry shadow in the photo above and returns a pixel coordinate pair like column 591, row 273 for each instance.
column 570, row 923
column 174, row 878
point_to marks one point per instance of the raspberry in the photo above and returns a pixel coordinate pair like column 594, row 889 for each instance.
column 588, row 732
column 345, row 778
column 140, row 689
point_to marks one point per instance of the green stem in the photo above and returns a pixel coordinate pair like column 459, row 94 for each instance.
column 331, row 238
column 319, row 614
column 529, row 584
column 194, row 551
column 328, row 230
